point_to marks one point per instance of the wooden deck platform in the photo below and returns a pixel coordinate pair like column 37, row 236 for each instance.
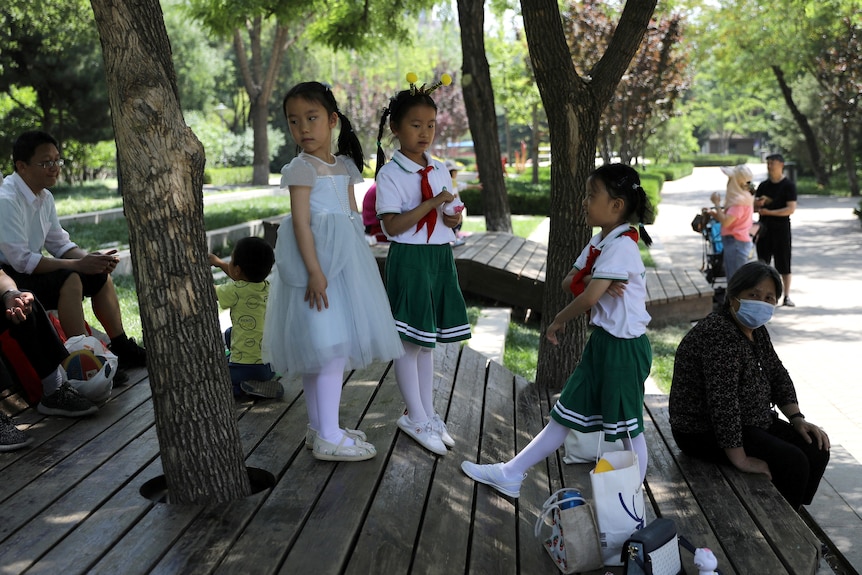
column 70, row 503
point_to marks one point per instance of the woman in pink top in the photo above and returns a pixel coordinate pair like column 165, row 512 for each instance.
column 735, row 217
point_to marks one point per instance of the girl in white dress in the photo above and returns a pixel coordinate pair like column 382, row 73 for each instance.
column 327, row 310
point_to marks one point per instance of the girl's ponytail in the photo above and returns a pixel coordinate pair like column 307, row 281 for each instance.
column 348, row 143
column 381, row 156
column 646, row 215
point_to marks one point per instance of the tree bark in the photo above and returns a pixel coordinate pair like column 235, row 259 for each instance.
column 849, row 156
column 482, row 116
column 574, row 106
column 163, row 164
column 807, row 132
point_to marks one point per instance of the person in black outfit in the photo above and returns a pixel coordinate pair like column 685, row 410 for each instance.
column 729, row 385
column 775, row 201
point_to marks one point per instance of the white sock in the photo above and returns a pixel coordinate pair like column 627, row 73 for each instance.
column 638, row 445
column 52, row 381
column 309, row 388
column 407, row 376
column 328, row 382
column 543, row 445
column 425, row 370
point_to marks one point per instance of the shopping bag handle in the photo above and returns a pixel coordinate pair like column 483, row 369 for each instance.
column 554, row 502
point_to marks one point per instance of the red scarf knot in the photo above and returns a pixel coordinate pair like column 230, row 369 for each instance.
column 429, row 220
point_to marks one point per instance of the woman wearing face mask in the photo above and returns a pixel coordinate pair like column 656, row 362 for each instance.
column 728, row 382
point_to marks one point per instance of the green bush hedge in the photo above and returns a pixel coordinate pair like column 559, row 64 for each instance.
column 535, row 200
column 703, row 160
column 242, row 175
column 670, row 172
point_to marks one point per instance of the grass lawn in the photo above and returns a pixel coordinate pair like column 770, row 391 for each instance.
column 115, row 233
column 522, row 226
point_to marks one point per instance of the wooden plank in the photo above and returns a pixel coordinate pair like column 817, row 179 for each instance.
column 655, row 290
column 666, row 483
column 494, row 529
column 794, row 543
column 745, row 547
column 698, row 280
column 326, row 540
column 504, row 256
column 443, row 543
column 529, row 421
column 35, row 527
column 688, row 289
column 475, row 244
column 525, row 251
column 498, row 244
column 669, row 285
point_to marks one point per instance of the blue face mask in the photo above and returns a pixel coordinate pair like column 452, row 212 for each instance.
column 753, row 313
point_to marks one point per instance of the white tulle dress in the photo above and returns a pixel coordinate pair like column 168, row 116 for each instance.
column 358, row 324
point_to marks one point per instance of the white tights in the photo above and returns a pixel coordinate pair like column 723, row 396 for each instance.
column 551, row 438
column 323, row 400
column 414, row 372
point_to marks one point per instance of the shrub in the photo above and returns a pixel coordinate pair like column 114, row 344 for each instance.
column 670, row 172
column 703, row 160
column 228, row 176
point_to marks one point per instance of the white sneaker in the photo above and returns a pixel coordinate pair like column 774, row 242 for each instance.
column 492, row 474
column 311, row 435
column 423, row 433
column 440, row 428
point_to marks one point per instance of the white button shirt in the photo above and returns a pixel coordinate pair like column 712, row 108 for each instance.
column 398, row 191
column 28, row 223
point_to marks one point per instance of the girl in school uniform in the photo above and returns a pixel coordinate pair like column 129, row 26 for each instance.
column 418, row 210
column 605, row 392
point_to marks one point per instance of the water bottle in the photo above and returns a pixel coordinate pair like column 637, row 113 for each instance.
column 567, row 494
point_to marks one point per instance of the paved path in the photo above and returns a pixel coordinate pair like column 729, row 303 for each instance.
column 819, row 341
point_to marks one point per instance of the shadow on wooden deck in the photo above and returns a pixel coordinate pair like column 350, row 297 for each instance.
column 71, row 502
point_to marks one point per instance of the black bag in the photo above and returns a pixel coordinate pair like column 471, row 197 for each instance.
column 653, row 550
column 699, row 222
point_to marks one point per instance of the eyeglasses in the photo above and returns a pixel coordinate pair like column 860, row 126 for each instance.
column 51, row 164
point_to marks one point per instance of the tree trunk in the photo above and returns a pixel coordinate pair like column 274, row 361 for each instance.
column 574, row 108
column 259, row 85
column 163, row 164
column 849, row 156
column 259, row 126
column 807, row 132
column 534, row 145
column 482, row 116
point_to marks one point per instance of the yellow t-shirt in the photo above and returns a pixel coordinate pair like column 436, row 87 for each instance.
column 247, row 304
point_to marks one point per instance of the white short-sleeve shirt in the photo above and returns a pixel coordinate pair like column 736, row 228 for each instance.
column 398, row 191
column 624, row 317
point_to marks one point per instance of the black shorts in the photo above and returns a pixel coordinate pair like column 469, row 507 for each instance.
column 776, row 243
column 47, row 286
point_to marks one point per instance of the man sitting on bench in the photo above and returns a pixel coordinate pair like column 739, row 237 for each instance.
column 29, row 224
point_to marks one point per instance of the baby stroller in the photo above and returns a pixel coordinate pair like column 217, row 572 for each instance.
column 712, row 265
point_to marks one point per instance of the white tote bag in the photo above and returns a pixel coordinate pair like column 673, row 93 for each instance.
column 619, row 501
column 584, row 447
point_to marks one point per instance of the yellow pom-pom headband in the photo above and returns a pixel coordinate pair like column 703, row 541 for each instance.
column 412, row 78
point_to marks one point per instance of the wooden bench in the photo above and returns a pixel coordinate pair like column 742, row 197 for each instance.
column 71, row 502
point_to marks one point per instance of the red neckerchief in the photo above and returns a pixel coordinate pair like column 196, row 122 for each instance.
column 577, row 286
column 429, row 220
